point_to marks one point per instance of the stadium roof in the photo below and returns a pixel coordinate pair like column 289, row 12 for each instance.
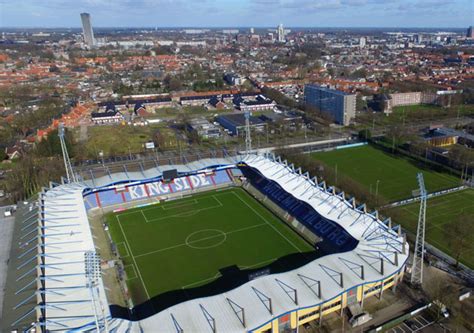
column 128, row 174
column 381, row 252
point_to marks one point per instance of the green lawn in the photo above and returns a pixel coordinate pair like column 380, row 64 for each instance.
column 414, row 113
column 441, row 211
column 184, row 243
column 464, row 110
column 114, row 140
column 396, row 175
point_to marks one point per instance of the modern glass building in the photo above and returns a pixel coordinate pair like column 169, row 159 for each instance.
column 338, row 104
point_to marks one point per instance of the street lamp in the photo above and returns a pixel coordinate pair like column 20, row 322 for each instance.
column 377, row 191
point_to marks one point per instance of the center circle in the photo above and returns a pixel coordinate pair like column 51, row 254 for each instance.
column 205, row 239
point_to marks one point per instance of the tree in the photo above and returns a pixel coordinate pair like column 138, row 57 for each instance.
column 461, row 156
column 172, row 83
column 278, row 97
column 7, row 135
column 397, row 135
column 361, row 103
column 440, row 288
column 30, row 174
column 460, row 235
column 358, row 73
column 54, row 69
column 365, row 134
column 193, row 137
column 51, row 146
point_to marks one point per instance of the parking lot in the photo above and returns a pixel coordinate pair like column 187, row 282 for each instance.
column 415, row 324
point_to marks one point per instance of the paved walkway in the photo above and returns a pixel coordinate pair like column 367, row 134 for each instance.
column 6, row 233
column 83, row 133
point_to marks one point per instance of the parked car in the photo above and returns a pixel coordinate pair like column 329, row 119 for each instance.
column 360, row 319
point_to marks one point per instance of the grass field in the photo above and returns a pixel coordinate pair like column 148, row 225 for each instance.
column 441, row 210
column 396, row 175
column 184, row 243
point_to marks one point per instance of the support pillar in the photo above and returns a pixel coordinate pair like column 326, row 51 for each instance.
column 395, row 282
column 363, row 297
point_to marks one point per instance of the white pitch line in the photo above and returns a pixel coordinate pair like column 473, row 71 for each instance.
column 199, row 240
column 133, row 258
column 125, row 247
column 215, row 198
column 144, row 216
column 179, row 204
column 271, row 225
column 158, row 205
column 183, row 214
column 258, row 264
column 199, row 282
column 134, row 271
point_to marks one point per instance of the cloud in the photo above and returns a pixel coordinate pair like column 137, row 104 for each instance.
column 235, row 12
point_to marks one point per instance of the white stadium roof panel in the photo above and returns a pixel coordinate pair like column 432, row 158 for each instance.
column 68, row 236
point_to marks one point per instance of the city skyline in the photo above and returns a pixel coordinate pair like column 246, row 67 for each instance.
column 244, row 13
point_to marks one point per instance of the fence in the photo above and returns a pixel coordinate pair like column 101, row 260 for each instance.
column 431, row 195
column 398, row 320
column 419, row 159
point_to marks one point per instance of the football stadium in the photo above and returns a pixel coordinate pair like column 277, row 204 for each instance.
column 244, row 243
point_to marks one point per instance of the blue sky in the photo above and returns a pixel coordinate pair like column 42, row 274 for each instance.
column 243, row 13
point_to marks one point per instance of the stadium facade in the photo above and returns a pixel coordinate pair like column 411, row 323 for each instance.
column 50, row 288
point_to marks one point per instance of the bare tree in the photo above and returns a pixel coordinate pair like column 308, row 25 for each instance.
column 461, row 233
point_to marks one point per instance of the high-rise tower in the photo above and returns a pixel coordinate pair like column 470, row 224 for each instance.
column 281, row 33
column 470, row 32
column 87, row 29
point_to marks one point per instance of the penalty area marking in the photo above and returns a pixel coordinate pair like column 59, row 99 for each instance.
column 219, row 233
column 133, row 257
column 134, row 272
column 121, row 246
column 185, row 213
column 176, row 205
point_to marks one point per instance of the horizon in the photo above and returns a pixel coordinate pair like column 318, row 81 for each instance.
column 234, row 27
column 393, row 14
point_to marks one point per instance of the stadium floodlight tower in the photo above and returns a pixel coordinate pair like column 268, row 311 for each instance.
column 92, row 273
column 417, row 267
column 71, row 177
column 248, row 136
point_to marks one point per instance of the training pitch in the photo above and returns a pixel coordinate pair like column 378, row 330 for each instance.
column 396, row 176
column 441, row 213
column 184, row 243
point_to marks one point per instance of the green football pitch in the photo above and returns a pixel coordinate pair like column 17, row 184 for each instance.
column 441, row 212
column 184, row 243
column 396, row 176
